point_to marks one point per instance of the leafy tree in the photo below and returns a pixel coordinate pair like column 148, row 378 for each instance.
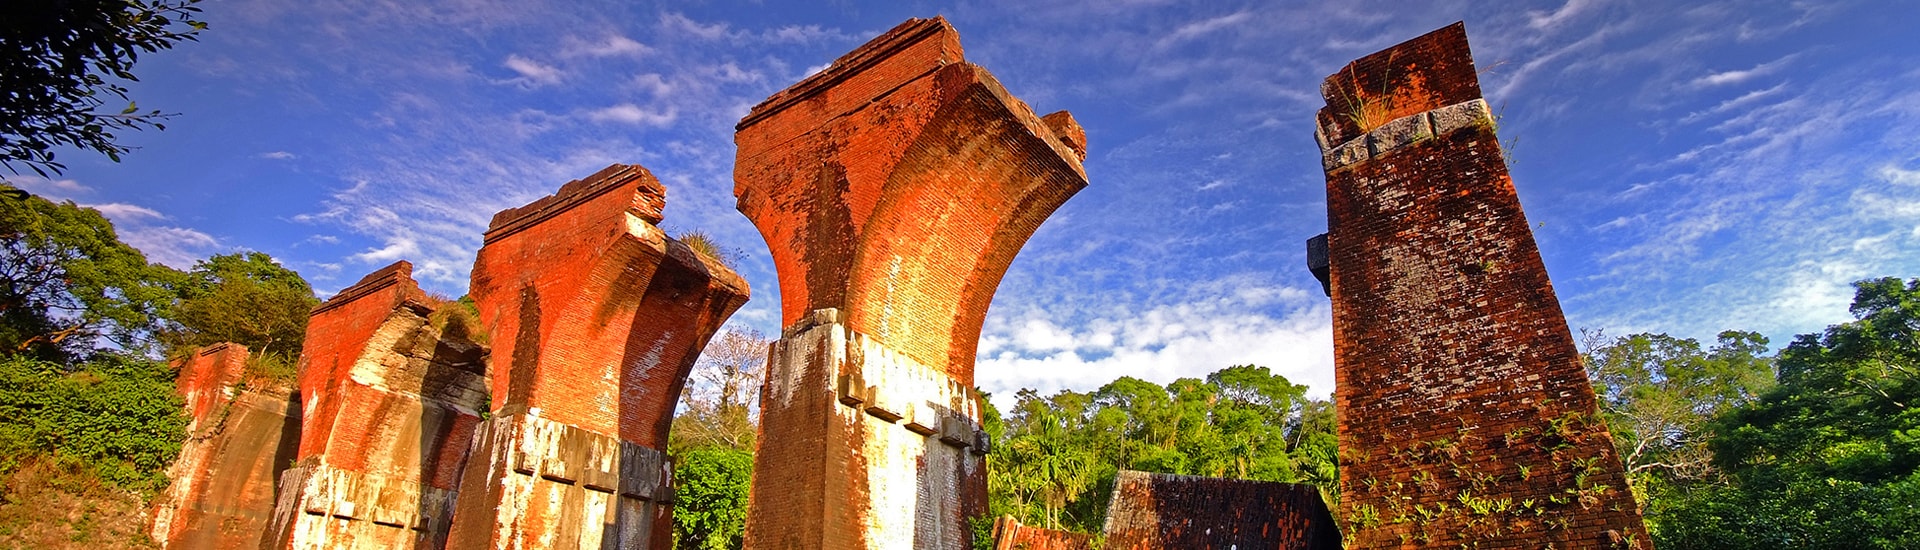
column 1659, row 395
column 710, row 509
column 66, row 279
column 246, row 298
column 55, row 61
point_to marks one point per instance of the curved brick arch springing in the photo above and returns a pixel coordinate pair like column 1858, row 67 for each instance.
column 894, row 189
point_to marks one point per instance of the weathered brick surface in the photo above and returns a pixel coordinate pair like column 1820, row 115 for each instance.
column 595, row 317
column 1465, row 415
column 893, row 188
column 1009, row 534
column 240, row 436
column 1156, row 511
column 392, row 402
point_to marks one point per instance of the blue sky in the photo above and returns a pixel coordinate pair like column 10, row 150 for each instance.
column 1690, row 166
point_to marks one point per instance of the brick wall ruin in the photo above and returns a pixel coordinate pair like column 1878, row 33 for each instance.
column 1465, row 415
column 1009, row 534
column 596, row 317
column 242, row 431
column 1155, row 511
column 391, row 403
column 894, row 188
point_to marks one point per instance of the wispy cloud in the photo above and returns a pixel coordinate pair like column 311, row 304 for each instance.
column 609, row 46
column 278, row 155
column 1201, row 28
column 532, row 73
column 1743, row 75
column 123, row 213
column 633, row 114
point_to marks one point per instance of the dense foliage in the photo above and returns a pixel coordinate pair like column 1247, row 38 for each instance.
column 1055, row 457
column 710, row 501
column 1825, row 454
column 117, row 416
column 55, row 61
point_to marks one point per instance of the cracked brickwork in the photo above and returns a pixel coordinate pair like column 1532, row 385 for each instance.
column 242, row 432
column 392, row 402
column 595, row 317
column 1465, row 415
column 1154, row 511
column 893, row 188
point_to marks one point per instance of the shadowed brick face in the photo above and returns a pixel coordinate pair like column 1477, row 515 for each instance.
column 240, row 436
column 1465, row 415
column 894, row 188
column 1156, row 511
column 595, row 317
column 392, row 403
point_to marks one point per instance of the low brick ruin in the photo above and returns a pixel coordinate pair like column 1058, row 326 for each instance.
column 1165, row 511
column 893, row 188
column 596, row 316
column 1465, row 415
column 242, row 430
column 391, row 404
column 1010, row 534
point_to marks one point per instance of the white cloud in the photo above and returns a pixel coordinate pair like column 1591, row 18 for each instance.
column 1212, row 324
column 1547, row 20
column 177, row 247
column 633, row 114
column 1201, row 28
column 278, row 155
column 612, row 45
column 60, row 189
column 681, row 24
column 122, row 213
column 1739, row 76
column 1899, row 176
column 532, row 73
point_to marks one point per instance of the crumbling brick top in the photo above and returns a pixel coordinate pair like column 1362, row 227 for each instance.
column 648, row 201
column 398, row 273
column 902, row 36
column 1419, row 75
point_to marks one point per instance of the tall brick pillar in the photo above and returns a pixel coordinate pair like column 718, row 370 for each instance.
column 595, row 317
column 391, row 402
column 893, row 188
column 1465, row 415
column 242, row 431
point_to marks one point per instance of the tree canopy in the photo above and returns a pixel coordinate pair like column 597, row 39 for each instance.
column 56, row 59
column 1828, row 457
column 66, row 279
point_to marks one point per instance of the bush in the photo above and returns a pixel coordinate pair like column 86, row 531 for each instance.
column 711, row 508
column 117, row 416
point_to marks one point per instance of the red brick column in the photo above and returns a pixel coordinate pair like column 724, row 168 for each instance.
column 595, row 317
column 391, row 405
column 240, row 436
column 1465, row 415
column 894, row 188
